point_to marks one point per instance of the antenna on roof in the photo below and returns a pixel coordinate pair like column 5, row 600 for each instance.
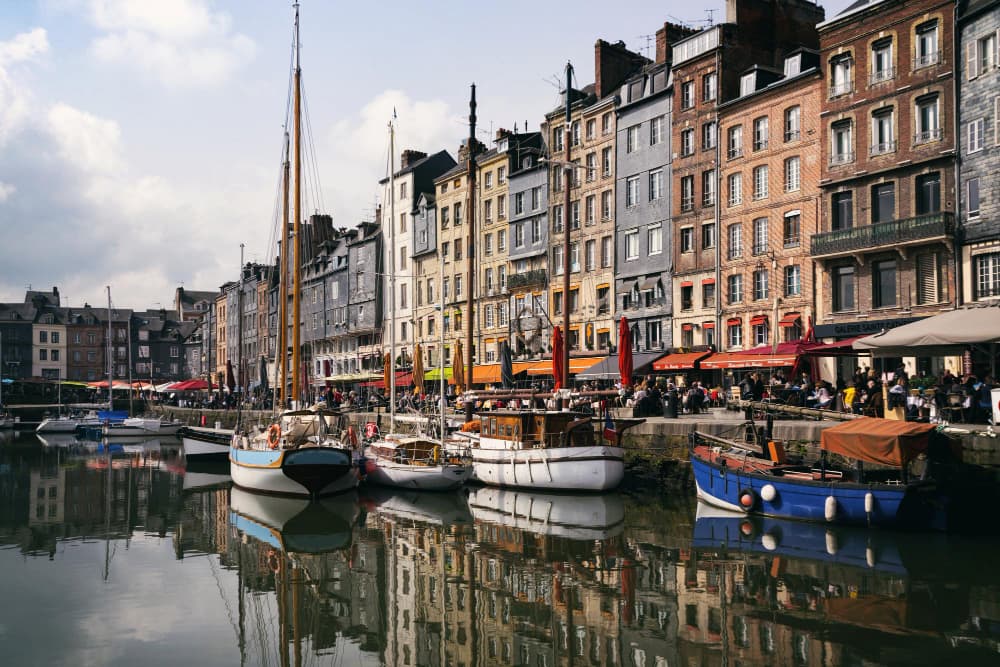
column 711, row 16
column 644, row 50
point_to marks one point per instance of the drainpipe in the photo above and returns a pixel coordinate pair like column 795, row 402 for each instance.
column 718, row 206
column 957, row 136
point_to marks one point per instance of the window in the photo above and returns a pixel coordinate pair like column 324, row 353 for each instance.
column 843, row 288
column 792, row 126
column 881, row 61
column 884, row 284
column 928, row 193
column 981, row 55
column 590, row 255
column 987, row 271
column 519, row 235
column 791, row 229
column 687, row 239
column 792, row 174
column 760, row 133
column 748, row 84
column 631, row 245
column 926, row 51
column 708, row 295
column 606, row 205
column 518, row 203
column 501, row 207
column 735, row 187
column 735, row 241
column 55, row 355
column 488, row 180
column 687, row 193
column 760, row 280
column 606, row 161
column 760, row 182
column 606, row 123
column 972, row 200
column 883, row 132
column 735, row 291
column 840, row 76
column 43, row 336
column 402, row 258
column 687, row 297
column 605, row 251
column 631, row 191
column 928, row 278
column 557, row 218
column 736, row 335
column 591, row 128
column 976, row 129
column 458, row 287
column 653, row 339
column 760, row 333
column 883, row 203
column 591, row 162
column 656, row 185
column 55, row 337
column 536, row 230
column 708, row 187
column 430, row 290
column 708, row 136
column 841, row 143
column 760, row 240
column 557, row 139
column 590, row 210
column 488, row 314
column 43, row 355
column 654, row 238
column 687, row 95
column 656, row 126
column 928, row 125
column 574, row 131
column 444, row 214
column 708, row 87
column 488, row 244
column 488, row 211
column 793, row 280
column 842, row 210
column 402, row 190
column 574, row 257
column 458, row 251
column 488, row 281
column 687, row 141
column 708, row 235
column 574, row 215
column 402, row 297
column 457, row 208
column 632, row 139
column 734, row 142
column 445, row 291
column 557, row 260
column 445, row 246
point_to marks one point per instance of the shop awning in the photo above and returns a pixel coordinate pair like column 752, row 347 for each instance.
column 945, row 334
column 790, row 320
column 486, row 374
column 731, row 360
column 403, row 379
column 434, row 375
column 576, row 365
column 607, row 368
column 679, row 362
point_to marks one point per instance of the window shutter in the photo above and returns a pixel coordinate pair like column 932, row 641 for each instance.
column 971, row 63
column 927, row 279
column 996, row 49
column 996, row 120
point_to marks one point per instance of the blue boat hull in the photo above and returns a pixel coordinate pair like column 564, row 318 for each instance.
column 891, row 505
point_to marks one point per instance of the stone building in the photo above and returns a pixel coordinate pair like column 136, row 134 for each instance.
column 16, row 337
column 492, row 208
column 365, row 298
column 979, row 146
column 85, row 344
column 591, row 213
column 885, row 245
column 769, row 203
column 428, row 267
column 707, row 69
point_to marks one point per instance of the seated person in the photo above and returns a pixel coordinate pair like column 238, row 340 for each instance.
column 850, row 391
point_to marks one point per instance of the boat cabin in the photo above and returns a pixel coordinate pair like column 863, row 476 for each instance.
column 536, row 430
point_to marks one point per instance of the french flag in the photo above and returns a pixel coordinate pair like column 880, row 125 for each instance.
column 609, row 427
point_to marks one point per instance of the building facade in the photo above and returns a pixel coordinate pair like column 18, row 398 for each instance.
column 493, row 206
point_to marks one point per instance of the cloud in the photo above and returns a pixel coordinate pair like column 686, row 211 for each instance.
column 358, row 146
column 25, row 46
column 180, row 43
column 6, row 190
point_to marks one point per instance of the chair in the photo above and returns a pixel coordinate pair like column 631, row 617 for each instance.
column 954, row 403
column 735, row 393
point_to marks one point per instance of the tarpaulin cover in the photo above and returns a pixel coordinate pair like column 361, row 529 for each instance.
column 893, row 443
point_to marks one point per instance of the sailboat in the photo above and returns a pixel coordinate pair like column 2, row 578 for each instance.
column 296, row 454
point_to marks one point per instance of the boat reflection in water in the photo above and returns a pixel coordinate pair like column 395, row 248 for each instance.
column 294, row 525
column 575, row 516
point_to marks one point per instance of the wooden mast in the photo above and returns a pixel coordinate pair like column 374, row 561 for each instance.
column 296, row 241
column 280, row 394
column 470, row 255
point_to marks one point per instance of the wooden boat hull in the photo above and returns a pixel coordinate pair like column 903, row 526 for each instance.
column 889, row 504
column 422, row 478
column 594, row 468
column 305, row 471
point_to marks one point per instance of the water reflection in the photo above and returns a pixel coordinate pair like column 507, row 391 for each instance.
column 487, row 577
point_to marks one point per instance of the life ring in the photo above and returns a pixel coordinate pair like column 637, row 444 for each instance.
column 273, row 435
column 272, row 560
column 747, row 499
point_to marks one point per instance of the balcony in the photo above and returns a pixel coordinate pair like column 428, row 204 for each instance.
column 838, row 89
column 841, row 158
column 536, row 278
column 881, row 76
column 878, row 236
column 734, row 153
column 927, row 136
column 926, row 60
column 883, row 148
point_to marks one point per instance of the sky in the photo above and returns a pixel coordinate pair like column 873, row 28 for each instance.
column 141, row 140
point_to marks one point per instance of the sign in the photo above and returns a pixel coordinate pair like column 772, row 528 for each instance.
column 860, row 328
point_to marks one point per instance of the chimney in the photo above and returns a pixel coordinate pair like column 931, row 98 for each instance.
column 613, row 63
column 501, row 133
column 409, row 157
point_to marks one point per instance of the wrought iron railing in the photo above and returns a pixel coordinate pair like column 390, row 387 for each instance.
column 882, row 234
column 533, row 278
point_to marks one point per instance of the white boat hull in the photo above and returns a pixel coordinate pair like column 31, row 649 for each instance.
column 595, row 468
column 65, row 425
column 196, row 448
column 269, row 471
column 422, row 478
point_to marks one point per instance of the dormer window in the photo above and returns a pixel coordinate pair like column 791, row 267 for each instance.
column 793, row 65
column 747, row 83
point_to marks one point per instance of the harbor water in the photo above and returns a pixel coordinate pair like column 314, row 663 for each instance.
column 120, row 555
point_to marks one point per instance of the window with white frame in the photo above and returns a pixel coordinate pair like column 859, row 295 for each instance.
column 591, row 128
column 606, row 205
column 793, row 123
column 536, row 230
column 574, row 210
column 591, row 166
column 606, row 123
column 488, row 244
column 734, row 142
column 574, row 256
column 590, row 255
column 734, row 293
column 518, row 203
column 687, row 193
column 760, row 133
column 925, row 52
column 536, row 198
column 708, row 136
column 976, row 130
column 501, row 240
column 501, row 175
column 656, row 185
column 709, row 87
column 841, row 143
column 488, row 180
column 792, row 174
column 987, row 270
column 656, row 126
column 760, row 236
column 557, row 139
column 687, row 141
column 631, row 245
column 760, row 189
column 735, row 234
column 760, row 282
column 654, row 237
column 928, row 124
column 687, row 239
column 708, row 235
column 631, row 191
column 793, row 280
column 735, row 335
column 590, row 210
column 574, row 131
column 840, row 75
column 519, row 235
column 708, row 187
column 791, row 229
column 734, row 183
column 883, row 131
column 488, row 280
column 880, row 62
column 760, row 333
column 606, row 252
column 606, row 161
column 557, row 218
column 557, row 260
column 501, row 207
column 687, row 95
column 632, row 139
column 981, row 55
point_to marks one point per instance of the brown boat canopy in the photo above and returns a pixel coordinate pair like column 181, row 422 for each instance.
column 893, row 443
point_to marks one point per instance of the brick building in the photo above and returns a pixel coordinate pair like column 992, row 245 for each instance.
column 885, row 246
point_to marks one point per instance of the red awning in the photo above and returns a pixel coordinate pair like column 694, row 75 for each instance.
column 679, row 362
column 733, row 360
column 733, row 321
column 790, row 320
column 403, row 379
column 708, row 325
column 687, row 327
column 757, row 320
column 708, row 281
column 687, row 283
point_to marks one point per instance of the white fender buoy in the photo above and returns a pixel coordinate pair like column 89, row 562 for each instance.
column 770, row 541
column 830, row 508
column 831, row 543
column 768, row 492
column 869, row 502
column 870, row 556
